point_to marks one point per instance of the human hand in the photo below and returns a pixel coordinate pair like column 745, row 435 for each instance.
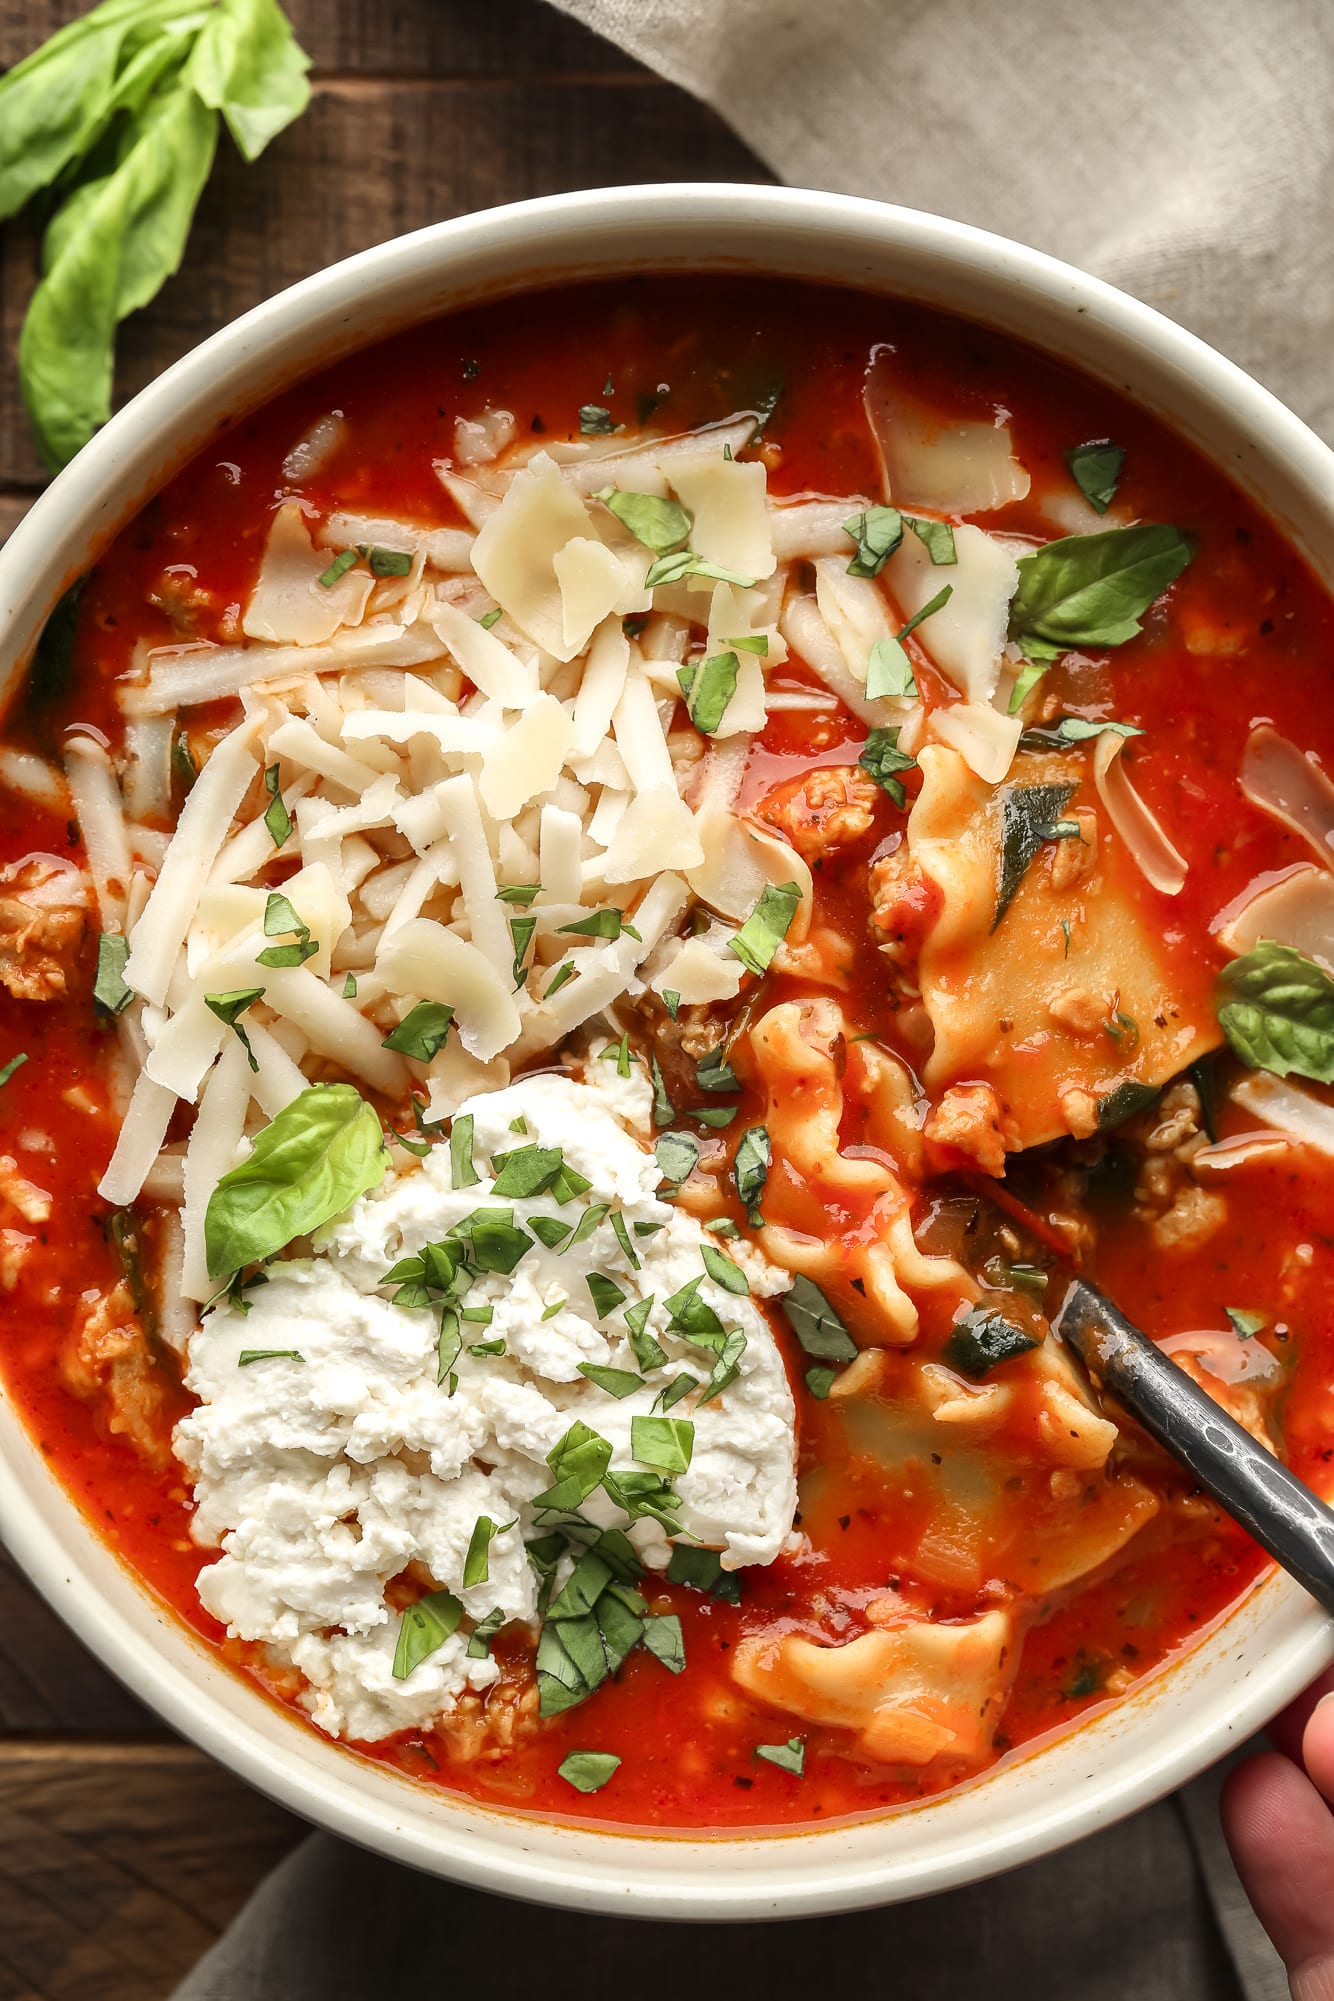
column 1278, row 1822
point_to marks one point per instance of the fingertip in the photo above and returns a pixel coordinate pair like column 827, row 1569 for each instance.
column 1282, row 1840
column 1318, row 1745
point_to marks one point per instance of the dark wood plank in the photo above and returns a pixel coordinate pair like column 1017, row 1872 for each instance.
column 120, row 1865
column 48, row 1679
column 409, row 38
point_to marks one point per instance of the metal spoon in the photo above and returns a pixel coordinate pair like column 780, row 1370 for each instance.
column 1282, row 1513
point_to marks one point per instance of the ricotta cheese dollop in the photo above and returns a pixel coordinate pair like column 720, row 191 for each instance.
column 333, row 1459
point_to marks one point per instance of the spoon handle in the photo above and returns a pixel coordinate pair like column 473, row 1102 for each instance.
column 1282, row 1513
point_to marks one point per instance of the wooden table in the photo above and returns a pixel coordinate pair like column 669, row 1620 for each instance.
column 123, row 1852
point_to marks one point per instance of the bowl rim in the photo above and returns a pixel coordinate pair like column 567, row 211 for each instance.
column 77, row 514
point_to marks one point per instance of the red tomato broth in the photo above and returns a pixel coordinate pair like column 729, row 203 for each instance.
column 688, row 1742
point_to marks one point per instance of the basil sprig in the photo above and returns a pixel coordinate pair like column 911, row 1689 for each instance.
column 314, row 1160
column 1093, row 590
column 1276, row 1008
column 118, row 112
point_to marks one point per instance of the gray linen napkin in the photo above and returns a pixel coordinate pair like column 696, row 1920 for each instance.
column 1186, row 152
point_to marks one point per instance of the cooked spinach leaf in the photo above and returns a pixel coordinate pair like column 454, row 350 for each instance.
column 1029, row 814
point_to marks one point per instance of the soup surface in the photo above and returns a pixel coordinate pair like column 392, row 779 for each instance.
column 599, row 907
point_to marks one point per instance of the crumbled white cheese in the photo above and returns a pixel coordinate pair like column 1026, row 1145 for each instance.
column 324, row 1478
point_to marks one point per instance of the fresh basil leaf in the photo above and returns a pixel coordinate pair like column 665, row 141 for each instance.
column 526, row 1172
column 281, row 920
column 588, row 1771
column 622, row 1235
column 477, row 1563
column 765, row 929
column 1093, row 590
column 579, row 1460
column 676, row 1154
column 616, row 1382
column 519, row 892
column 726, row 1367
column 604, row 1292
column 815, row 1323
column 314, row 1160
column 750, row 1171
column 1096, row 471
column 338, row 569
column 14, row 1063
column 1026, row 680
column 549, row 1230
column 678, row 1387
column 54, row 104
column 490, row 618
column 497, row 1244
column 982, row 1340
column 647, row 1351
column 717, row 1116
column 671, row 1000
column 663, row 1110
column 424, row 1629
column 595, row 421
column 702, row 1570
column 249, row 1355
column 928, row 610
column 789, row 1757
column 1246, row 1325
column 692, row 1316
column 423, row 1031
column 664, row 1442
column 1276, row 1008
column 479, row 1646
column 229, row 1008
column 619, row 1054
column 276, row 816
column 1028, row 813
column 877, row 532
column 889, row 674
column 661, row 525
column 722, row 1270
column 685, row 563
column 820, row 1379
column 714, row 1073
column 248, row 65
column 350, row 987
column 109, row 988
column 521, row 937
column 882, row 760
column 708, row 687
column 665, row 1640
column 563, row 973
column 597, row 924
column 937, row 538
column 750, row 642
column 594, row 1215
column 1073, row 729
column 462, row 1173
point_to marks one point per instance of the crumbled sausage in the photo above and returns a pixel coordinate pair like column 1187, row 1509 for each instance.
column 489, row 1726
column 109, row 1361
column 1194, row 1216
column 33, row 1203
column 42, row 917
column 828, row 809
column 902, row 903
column 969, row 1120
column 1080, row 1010
column 1072, row 860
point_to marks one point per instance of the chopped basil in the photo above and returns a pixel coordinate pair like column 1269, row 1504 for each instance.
column 350, row 987
column 109, row 988
column 388, row 562
column 722, row 1270
column 647, row 1352
column 1129, row 1097
column 765, row 929
column 1096, row 471
column 1246, row 1325
column 722, row 1226
column 713, row 1115
column 422, row 1031
column 521, row 937
column 588, row 1771
column 276, row 816
column 595, row 1214
column 1029, row 1279
column 789, row 1757
column 692, row 1316
column 563, row 973
column 671, row 1000
column 230, row 1007
column 605, row 1294
column 685, row 563
column 518, row 892
column 579, row 1460
column 882, row 760
column 1093, row 590
column 249, row 1355
column 14, row 1063
column 549, row 1230
column 982, row 1340
column 648, row 1229
column 1028, row 814
column 554, row 1307
column 877, row 533
column 183, row 767
column 462, row 1173
column 281, row 920
column 490, row 618
column 663, row 1109
column 568, row 1184
column 664, row 1442
column 715, row 1073
column 479, row 1646
column 595, row 422
column 680, row 1386
column 425, row 1627
column 750, row 1171
column 1276, row 1008
column 937, row 538
column 622, row 1235
column 497, row 1243
column 479, row 1315
column 619, row 1054
column 664, row 1639
column 526, row 1172
column 751, row 642
column 616, row 1382
column 677, row 1155
column 702, row 1570
column 889, row 673
column 727, row 1365
column 339, row 567
column 661, row 525
column 820, row 1379
column 708, row 687
column 929, row 610
column 599, row 924
column 477, row 1563
column 815, row 1323
column 1074, row 729
column 1038, row 657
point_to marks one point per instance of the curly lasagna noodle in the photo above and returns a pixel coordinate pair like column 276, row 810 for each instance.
column 585, row 947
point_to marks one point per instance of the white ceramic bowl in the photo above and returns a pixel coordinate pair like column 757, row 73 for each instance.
column 1187, row 1715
